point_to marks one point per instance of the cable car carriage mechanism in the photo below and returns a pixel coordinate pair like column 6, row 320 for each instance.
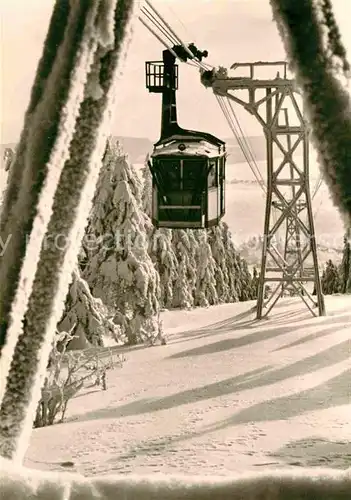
column 187, row 167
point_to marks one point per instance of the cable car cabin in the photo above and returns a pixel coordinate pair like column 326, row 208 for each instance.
column 188, row 182
column 187, row 166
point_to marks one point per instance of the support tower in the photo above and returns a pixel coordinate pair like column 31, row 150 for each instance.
column 289, row 266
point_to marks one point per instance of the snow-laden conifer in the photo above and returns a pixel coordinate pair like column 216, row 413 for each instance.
column 86, row 317
column 232, row 264
column 345, row 267
column 216, row 241
column 205, row 287
column 165, row 260
column 119, row 269
column 245, row 280
column 183, row 244
column 147, row 188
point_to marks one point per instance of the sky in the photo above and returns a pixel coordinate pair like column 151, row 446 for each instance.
column 231, row 31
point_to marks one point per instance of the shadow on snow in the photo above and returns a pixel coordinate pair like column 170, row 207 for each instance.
column 268, row 410
column 251, row 338
column 334, row 392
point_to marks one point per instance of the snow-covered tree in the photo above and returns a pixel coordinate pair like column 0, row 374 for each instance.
column 232, row 264
column 216, row 241
column 193, row 245
column 254, row 283
column 330, row 279
column 162, row 254
column 345, row 268
column 184, row 246
column 205, row 287
column 234, row 281
column 117, row 179
column 86, row 317
column 147, row 188
column 245, row 280
column 119, row 269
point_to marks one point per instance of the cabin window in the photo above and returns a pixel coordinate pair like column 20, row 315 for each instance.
column 212, row 178
column 193, row 174
column 170, row 174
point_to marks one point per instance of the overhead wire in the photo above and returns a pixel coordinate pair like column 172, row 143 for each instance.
column 318, row 185
column 157, row 36
column 162, row 20
column 245, row 141
column 204, row 65
column 167, row 30
column 227, row 108
column 168, row 45
column 246, row 149
column 157, row 23
column 174, row 14
column 318, row 209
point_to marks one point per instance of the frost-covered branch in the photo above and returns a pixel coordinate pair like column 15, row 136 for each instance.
column 302, row 25
column 68, row 373
column 60, row 157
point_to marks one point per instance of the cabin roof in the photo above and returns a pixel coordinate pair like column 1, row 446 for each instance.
column 202, row 149
column 183, row 134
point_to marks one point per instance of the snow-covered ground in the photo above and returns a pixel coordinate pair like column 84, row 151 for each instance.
column 227, row 393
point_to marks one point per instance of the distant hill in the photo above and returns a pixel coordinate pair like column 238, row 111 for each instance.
column 257, row 144
column 138, row 147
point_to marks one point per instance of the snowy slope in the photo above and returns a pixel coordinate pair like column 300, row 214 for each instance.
column 226, row 394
